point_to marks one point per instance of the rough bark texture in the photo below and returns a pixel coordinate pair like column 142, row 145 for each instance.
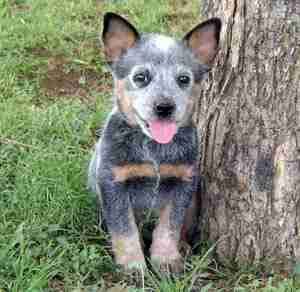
column 249, row 120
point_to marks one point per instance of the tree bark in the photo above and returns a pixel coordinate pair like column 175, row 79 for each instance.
column 248, row 118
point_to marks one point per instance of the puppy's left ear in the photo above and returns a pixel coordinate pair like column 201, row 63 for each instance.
column 203, row 40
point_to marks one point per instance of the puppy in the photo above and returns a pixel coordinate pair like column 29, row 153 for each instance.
column 147, row 155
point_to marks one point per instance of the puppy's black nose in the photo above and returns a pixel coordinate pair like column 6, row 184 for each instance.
column 164, row 109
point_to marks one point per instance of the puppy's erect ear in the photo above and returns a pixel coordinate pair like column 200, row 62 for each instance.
column 118, row 36
column 203, row 40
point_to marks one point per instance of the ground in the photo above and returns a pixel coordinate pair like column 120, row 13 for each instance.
column 54, row 94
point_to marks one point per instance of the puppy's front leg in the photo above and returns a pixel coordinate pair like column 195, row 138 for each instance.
column 164, row 248
column 127, row 247
column 120, row 221
column 166, row 236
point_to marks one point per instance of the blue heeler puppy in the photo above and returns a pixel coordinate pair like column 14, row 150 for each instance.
column 146, row 157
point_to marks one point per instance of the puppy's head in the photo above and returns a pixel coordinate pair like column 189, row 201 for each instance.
column 155, row 75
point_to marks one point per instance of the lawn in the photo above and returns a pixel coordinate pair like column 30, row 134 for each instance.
column 54, row 94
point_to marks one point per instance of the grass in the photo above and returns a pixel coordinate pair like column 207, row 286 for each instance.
column 54, row 94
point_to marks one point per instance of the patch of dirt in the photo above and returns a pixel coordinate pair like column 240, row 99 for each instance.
column 181, row 16
column 39, row 52
column 56, row 285
column 175, row 18
column 16, row 8
column 63, row 81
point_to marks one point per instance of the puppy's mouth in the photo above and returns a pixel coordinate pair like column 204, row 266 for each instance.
column 160, row 130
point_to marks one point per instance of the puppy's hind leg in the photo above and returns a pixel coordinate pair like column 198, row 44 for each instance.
column 93, row 186
column 190, row 226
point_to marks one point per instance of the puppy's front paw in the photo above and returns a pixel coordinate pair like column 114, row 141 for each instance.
column 128, row 253
column 132, row 263
column 165, row 255
column 168, row 265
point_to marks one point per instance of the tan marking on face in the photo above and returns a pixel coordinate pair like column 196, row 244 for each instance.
column 189, row 112
column 124, row 101
column 128, row 171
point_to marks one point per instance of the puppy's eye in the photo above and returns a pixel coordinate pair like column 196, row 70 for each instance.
column 183, row 80
column 142, row 79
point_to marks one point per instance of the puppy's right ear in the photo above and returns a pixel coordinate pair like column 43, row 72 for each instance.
column 118, row 36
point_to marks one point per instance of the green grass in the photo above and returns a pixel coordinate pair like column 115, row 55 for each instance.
column 54, row 94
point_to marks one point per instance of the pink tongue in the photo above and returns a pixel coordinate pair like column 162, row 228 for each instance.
column 162, row 131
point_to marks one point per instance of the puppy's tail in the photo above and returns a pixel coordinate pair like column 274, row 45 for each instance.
column 92, row 174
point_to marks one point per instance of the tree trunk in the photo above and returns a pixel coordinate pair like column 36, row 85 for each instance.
column 249, row 121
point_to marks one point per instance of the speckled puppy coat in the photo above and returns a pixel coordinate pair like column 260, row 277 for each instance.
column 147, row 155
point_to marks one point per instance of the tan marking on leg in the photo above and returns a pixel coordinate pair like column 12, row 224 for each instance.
column 164, row 248
column 190, row 218
column 125, row 172
column 182, row 171
column 124, row 101
column 127, row 248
